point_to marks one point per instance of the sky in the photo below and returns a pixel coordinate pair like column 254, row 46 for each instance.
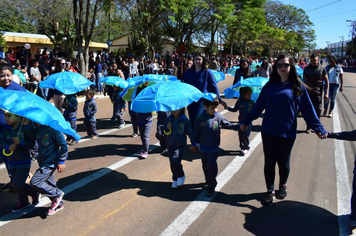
column 329, row 18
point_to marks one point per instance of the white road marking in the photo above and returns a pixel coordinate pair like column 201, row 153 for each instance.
column 342, row 179
column 194, row 210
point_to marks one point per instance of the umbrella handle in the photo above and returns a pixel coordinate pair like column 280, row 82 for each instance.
column 167, row 133
column 7, row 154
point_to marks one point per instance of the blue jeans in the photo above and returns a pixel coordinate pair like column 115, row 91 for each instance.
column 333, row 91
column 99, row 86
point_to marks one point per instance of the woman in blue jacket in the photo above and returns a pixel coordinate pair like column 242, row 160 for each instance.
column 203, row 79
column 281, row 98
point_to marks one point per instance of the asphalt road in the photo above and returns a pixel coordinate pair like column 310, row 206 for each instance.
column 109, row 191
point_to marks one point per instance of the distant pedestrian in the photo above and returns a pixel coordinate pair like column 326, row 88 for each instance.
column 336, row 82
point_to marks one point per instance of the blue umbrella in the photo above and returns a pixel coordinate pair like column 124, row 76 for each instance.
column 35, row 108
column 255, row 83
column 219, row 76
column 66, row 82
column 146, row 80
column 167, row 96
column 115, row 81
column 232, row 71
column 300, row 71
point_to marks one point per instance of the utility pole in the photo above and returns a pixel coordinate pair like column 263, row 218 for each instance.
column 342, row 47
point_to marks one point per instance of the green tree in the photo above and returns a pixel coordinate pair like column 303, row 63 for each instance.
column 84, row 13
column 2, row 40
column 146, row 18
column 294, row 21
column 54, row 19
column 184, row 20
column 13, row 18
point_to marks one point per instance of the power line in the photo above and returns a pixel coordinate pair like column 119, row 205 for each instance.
column 324, row 6
column 332, row 14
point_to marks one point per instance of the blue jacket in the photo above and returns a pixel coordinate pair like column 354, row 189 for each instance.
column 181, row 127
column 89, row 110
column 21, row 157
column 243, row 106
column 12, row 86
column 117, row 99
column 52, row 147
column 143, row 118
column 203, row 80
column 348, row 136
column 70, row 106
column 207, row 130
column 281, row 109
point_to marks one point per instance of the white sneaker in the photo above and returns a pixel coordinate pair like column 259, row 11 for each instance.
column 174, row 184
column 244, row 151
column 180, row 181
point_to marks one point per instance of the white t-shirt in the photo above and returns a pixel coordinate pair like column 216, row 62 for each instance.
column 35, row 72
column 334, row 78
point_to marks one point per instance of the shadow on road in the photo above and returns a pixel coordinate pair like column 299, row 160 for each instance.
column 291, row 218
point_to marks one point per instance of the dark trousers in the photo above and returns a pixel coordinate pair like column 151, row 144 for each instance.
column 43, row 182
column 161, row 137
column 4, row 159
column 145, row 130
column 23, row 190
column 175, row 160
column 210, row 167
column 244, row 137
column 73, row 125
column 317, row 104
column 133, row 117
column 118, row 111
column 277, row 150
column 91, row 127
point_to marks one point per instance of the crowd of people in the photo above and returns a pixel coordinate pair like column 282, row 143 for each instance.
column 284, row 91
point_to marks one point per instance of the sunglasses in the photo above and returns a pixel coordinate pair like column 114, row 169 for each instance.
column 284, row 65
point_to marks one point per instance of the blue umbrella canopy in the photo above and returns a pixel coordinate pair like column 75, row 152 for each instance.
column 219, row 76
column 66, row 82
column 115, row 81
column 253, row 65
column 146, row 80
column 299, row 71
column 35, row 108
column 167, row 96
column 255, row 83
column 232, row 71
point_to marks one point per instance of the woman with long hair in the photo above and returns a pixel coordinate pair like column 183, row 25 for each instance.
column 281, row 98
column 203, row 79
column 244, row 71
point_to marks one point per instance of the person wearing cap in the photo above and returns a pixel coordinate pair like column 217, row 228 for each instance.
column 265, row 69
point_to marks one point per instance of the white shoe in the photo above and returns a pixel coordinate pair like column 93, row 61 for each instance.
column 174, row 184
column 244, row 151
column 180, row 181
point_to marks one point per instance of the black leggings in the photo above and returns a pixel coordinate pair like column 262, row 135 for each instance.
column 277, row 150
